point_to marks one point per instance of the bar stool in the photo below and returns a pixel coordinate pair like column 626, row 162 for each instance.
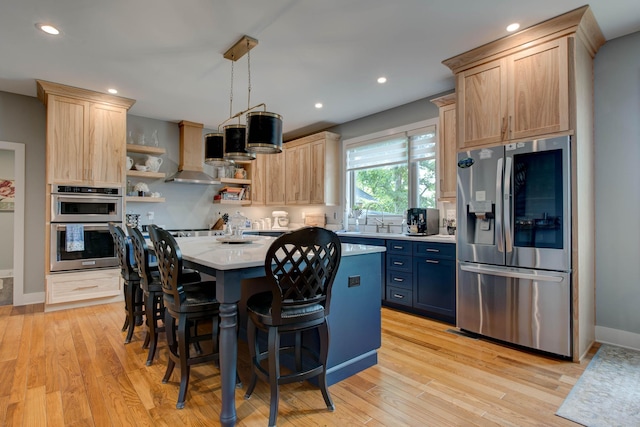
column 187, row 304
column 133, row 297
column 301, row 267
column 152, row 288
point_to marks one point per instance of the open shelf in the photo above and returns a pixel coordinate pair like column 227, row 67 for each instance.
column 144, row 149
column 144, row 199
column 142, row 174
column 234, row 181
column 232, row 202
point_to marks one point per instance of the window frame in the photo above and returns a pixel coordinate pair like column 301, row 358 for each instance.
column 405, row 130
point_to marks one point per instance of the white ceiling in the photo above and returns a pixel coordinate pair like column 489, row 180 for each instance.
column 167, row 54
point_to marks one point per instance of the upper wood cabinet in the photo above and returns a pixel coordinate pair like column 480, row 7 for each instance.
column 318, row 178
column 86, row 136
column 274, row 179
column 447, row 148
column 520, row 96
column 258, row 171
column 521, row 86
column 307, row 172
column 298, row 174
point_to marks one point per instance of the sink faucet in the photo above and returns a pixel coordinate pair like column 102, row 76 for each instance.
column 380, row 221
column 381, row 224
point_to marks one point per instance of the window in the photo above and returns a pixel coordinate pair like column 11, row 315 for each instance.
column 389, row 172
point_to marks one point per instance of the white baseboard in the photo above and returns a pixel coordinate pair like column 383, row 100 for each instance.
column 617, row 337
column 26, row 299
column 83, row 303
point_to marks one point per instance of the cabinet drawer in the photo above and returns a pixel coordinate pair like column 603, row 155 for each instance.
column 68, row 287
column 399, row 296
column 399, row 262
column 399, row 247
column 436, row 250
column 399, row 279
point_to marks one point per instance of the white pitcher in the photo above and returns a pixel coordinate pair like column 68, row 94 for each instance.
column 129, row 162
column 153, row 163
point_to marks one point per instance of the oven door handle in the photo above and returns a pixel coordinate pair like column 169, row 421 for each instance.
column 88, row 227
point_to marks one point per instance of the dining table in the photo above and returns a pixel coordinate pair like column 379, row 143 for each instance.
column 232, row 259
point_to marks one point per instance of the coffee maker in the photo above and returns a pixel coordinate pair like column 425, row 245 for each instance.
column 423, row 221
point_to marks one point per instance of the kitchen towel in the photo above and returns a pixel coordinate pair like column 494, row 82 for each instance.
column 74, row 237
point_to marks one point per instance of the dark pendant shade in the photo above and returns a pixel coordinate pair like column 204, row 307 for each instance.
column 264, row 132
column 234, row 143
column 214, row 149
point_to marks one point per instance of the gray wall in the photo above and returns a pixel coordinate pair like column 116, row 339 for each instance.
column 191, row 205
column 617, row 179
column 23, row 120
column 6, row 218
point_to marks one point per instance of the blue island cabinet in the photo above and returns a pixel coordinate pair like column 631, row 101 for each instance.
column 355, row 325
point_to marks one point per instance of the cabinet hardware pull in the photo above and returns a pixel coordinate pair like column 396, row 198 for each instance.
column 79, row 288
column 432, row 261
column 433, row 250
column 398, row 296
column 398, row 263
column 398, row 279
column 398, row 247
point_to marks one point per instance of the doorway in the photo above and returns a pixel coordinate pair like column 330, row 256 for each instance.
column 12, row 195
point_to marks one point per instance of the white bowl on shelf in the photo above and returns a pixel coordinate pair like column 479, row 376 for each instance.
column 142, row 168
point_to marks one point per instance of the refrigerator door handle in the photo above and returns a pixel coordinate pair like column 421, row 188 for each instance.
column 511, row 274
column 508, row 238
column 499, row 236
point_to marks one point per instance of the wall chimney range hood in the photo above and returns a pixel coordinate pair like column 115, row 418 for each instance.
column 190, row 170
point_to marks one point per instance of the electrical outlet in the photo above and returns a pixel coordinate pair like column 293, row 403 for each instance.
column 150, row 215
column 354, row 281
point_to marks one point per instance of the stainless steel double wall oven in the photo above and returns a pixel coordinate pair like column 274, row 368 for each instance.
column 92, row 208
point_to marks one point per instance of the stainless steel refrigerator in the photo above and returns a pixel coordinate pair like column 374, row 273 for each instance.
column 514, row 243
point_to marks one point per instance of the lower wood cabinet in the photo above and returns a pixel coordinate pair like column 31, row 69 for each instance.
column 83, row 285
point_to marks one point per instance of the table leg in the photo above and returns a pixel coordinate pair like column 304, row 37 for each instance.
column 228, row 361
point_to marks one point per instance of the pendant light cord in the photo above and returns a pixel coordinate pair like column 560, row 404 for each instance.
column 248, row 76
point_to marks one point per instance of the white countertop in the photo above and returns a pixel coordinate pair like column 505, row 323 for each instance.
column 207, row 250
column 439, row 238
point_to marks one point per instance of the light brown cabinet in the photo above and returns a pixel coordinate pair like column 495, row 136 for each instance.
column 298, row 174
column 447, row 148
column 307, row 172
column 86, row 134
column 522, row 95
column 274, row 180
column 317, row 178
column 268, row 180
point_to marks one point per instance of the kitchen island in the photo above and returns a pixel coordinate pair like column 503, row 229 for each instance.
column 354, row 322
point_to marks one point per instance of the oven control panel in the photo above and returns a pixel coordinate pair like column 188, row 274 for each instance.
column 70, row 189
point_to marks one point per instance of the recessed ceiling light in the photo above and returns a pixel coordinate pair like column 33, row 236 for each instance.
column 512, row 27
column 382, row 80
column 113, row 91
column 318, row 105
column 49, row 29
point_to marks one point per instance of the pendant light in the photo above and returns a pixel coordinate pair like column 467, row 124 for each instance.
column 263, row 130
column 234, row 143
column 214, row 149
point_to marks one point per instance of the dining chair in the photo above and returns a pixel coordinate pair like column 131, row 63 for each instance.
column 300, row 268
column 188, row 304
column 133, row 296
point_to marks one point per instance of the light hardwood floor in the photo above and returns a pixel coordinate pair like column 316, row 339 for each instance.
column 71, row 368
